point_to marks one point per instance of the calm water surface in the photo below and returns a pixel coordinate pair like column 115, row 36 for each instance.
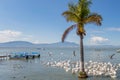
column 36, row 70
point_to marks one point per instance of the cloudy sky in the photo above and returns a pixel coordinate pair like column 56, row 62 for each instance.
column 40, row 21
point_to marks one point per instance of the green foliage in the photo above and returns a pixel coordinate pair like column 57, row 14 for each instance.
column 80, row 14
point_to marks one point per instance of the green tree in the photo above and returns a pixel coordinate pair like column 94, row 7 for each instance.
column 80, row 14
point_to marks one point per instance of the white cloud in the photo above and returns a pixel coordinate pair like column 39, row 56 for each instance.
column 98, row 40
column 36, row 41
column 9, row 35
column 113, row 29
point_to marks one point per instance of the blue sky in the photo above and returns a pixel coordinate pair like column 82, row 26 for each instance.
column 40, row 21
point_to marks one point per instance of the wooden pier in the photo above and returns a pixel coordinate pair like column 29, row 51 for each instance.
column 4, row 57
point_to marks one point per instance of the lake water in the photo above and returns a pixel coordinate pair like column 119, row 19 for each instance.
column 36, row 69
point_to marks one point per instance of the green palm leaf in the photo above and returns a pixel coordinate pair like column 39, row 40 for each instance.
column 80, row 14
column 70, row 16
column 93, row 18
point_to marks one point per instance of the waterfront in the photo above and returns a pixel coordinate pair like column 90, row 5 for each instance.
column 36, row 69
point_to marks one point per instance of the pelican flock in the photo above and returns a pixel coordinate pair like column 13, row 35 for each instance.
column 92, row 68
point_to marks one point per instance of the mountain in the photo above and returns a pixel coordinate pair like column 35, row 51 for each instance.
column 59, row 44
column 65, row 44
column 28, row 44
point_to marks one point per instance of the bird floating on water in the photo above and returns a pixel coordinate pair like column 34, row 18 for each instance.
column 91, row 68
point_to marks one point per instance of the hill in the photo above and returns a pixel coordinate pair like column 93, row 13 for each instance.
column 29, row 44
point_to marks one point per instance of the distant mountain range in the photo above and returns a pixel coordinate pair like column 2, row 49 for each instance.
column 57, row 44
column 29, row 44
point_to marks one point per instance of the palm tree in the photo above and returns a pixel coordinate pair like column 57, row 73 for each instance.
column 80, row 14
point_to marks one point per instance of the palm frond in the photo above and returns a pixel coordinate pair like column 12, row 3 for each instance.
column 67, row 31
column 85, row 3
column 83, row 6
column 72, row 7
column 70, row 16
column 93, row 18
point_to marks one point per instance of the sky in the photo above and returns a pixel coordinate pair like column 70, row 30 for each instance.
column 40, row 21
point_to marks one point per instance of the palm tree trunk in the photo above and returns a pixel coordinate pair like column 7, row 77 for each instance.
column 81, row 54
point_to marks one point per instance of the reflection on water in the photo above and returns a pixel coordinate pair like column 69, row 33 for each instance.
column 34, row 69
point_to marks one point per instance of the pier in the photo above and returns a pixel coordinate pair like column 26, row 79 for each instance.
column 4, row 57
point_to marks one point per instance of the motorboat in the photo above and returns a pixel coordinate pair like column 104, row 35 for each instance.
column 24, row 55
